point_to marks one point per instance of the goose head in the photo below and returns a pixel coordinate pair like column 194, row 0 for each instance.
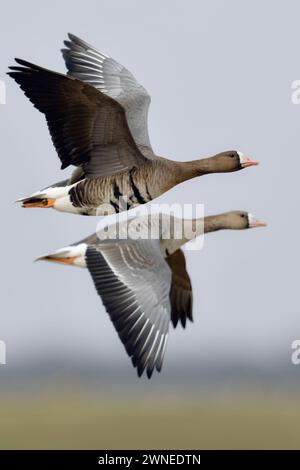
column 234, row 220
column 232, row 160
column 239, row 220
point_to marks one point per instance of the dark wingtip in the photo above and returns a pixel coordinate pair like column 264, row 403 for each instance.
column 77, row 41
column 174, row 321
column 15, row 68
column 21, row 61
column 27, row 64
column 68, row 44
column 73, row 37
column 13, row 75
column 190, row 316
column 149, row 373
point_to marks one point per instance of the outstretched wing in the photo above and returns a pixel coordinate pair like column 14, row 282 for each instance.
column 181, row 294
column 88, row 128
column 133, row 280
column 84, row 62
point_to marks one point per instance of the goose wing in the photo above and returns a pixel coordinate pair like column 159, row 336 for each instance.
column 181, row 294
column 133, row 281
column 88, row 128
column 84, row 62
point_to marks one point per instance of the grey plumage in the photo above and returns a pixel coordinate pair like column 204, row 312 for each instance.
column 134, row 281
column 84, row 62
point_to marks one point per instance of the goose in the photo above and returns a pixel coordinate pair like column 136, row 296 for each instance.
column 97, row 118
column 143, row 282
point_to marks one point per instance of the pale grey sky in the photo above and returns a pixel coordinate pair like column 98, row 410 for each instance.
column 219, row 74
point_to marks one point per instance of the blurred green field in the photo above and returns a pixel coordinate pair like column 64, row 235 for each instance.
column 73, row 420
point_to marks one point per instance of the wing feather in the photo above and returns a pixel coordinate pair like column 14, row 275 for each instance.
column 84, row 62
column 133, row 281
column 88, row 128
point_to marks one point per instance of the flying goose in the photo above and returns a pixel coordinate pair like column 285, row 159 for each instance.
column 143, row 282
column 97, row 118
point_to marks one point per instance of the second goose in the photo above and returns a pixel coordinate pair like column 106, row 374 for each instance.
column 143, row 283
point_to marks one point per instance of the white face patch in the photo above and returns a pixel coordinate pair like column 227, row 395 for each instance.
column 251, row 219
column 241, row 155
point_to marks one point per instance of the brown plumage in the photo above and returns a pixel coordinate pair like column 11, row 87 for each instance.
column 181, row 295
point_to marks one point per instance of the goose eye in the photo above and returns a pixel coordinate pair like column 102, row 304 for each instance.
column 243, row 215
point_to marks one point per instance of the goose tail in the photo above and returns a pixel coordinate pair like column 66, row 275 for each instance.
column 72, row 255
column 46, row 197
